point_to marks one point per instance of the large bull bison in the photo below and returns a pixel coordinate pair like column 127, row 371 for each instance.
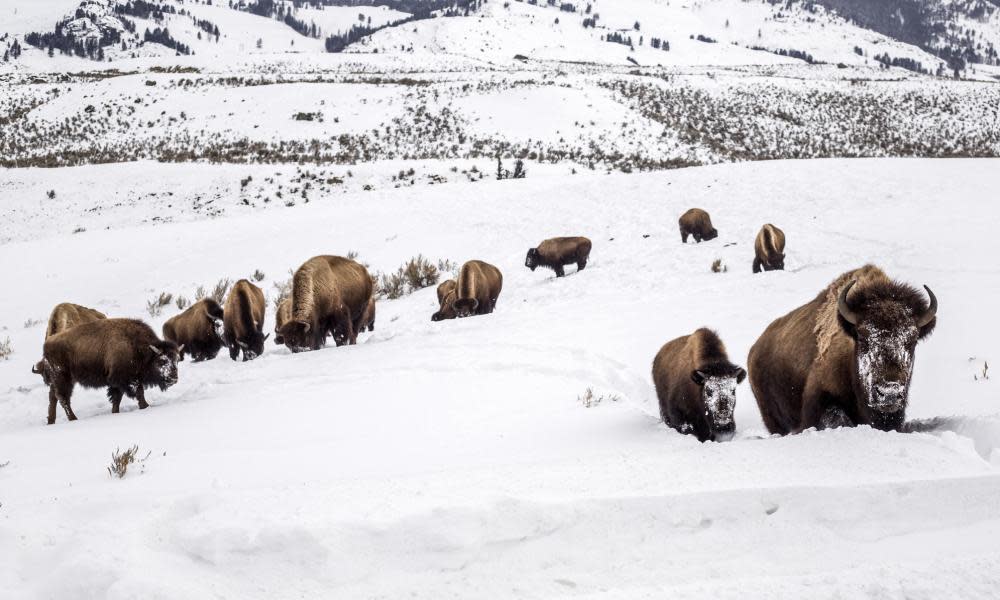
column 477, row 289
column 123, row 355
column 67, row 314
column 844, row 359
column 446, row 295
column 696, row 386
column 698, row 224
column 243, row 321
column 769, row 249
column 558, row 252
column 198, row 329
column 329, row 295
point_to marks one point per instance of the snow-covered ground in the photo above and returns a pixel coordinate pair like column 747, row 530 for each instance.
column 455, row 459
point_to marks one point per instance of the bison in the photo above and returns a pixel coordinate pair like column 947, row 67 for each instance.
column 844, row 359
column 123, row 355
column 282, row 316
column 555, row 253
column 446, row 295
column 243, row 321
column 329, row 295
column 769, row 248
column 477, row 289
column 696, row 386
column 199, row 329
column 698, row 224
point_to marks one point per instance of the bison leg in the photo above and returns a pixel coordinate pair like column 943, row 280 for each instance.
column 834, row 417
column 53, row 399
column 559, row 270
column 581, row 264
column 684, row 237
column 756, row 264
column 64, row 396
column 140, row 396
column 234, row 351
column 115, row 396
column 697, row 237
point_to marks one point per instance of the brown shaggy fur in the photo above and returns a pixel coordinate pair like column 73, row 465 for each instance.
column 769, row 249
column 68, row 315
column 329, row 295
column 243, row 321
column 555, row 253
column 446, row 295
column 698, row 224
column 368, row 321
column 123, row 355
column 680, row 371
column 197, row 330
column 477, row 289
column 812, row 368
column 282, row 316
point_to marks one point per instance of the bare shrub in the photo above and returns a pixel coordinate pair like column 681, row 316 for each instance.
column 218, row 293
column 390, row 286
column 258, row 275
column 590, row 400
column 122, row 459
column 32, row 323
column 6, row 349
column 420, row 273
column 155, row 306
column 284, row 289
column 182, row 302
column 718, row 266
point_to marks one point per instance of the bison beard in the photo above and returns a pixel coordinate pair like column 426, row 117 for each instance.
column 844, row 359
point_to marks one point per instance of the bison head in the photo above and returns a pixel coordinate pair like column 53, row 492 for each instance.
column 711, row 234
column 301, row 336
column 531, row 261
column 886, row 321
column 161, row 368
column 465, row 307
column 778, row 262
column 718, row 395
column 41, row 368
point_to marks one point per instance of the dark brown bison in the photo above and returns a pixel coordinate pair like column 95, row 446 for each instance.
column 555, row 253
column 67, row 314
column 698, row 224
column 770, row 249
column 477, row 289
column 844, row 359
column 199, row 329
column 123, row 355
column 696, row 386
column 243, row 321
column 64, row 316
column 282, row 316
column 329, row 295
column 366, row 322
column 446, row 295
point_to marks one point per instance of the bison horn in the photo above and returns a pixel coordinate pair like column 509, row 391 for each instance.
column 267, row 336
column 36, row 368
column 931, row 311
column 155, row 350
column 845, row 311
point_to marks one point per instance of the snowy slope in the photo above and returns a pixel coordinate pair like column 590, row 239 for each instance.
column 455, row 459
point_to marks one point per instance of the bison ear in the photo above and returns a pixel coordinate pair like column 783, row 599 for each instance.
column 698, row 377
column 741, row 374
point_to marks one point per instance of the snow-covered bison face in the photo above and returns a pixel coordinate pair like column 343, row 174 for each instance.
column 299, row 336
column 886, row 330
column 465, row 307
column 718, row 396
column 162, row 370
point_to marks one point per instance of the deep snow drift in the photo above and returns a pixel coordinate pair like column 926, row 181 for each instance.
column 455, row 459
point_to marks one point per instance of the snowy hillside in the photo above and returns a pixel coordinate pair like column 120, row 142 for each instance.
column 460, row 459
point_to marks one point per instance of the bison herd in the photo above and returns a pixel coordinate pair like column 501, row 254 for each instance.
column 843, row 359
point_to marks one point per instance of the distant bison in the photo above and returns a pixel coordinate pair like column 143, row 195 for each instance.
column 698, row 224
column 696, row 386
column 329, row 295
column 67, row 314
column 445, row 295
column 477, row 289
column 844, row 359
column 243, row 321
column 770, row 249
column 198, row 329
column 282, row 316
column 555, row 253
column 123, row 355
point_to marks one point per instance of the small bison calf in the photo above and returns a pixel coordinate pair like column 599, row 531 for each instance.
column 696, row 386
column 123, row 355
column 769, row 249
column 198, row 329
column 446, row 295
column 698, row 224
column 558, row 252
